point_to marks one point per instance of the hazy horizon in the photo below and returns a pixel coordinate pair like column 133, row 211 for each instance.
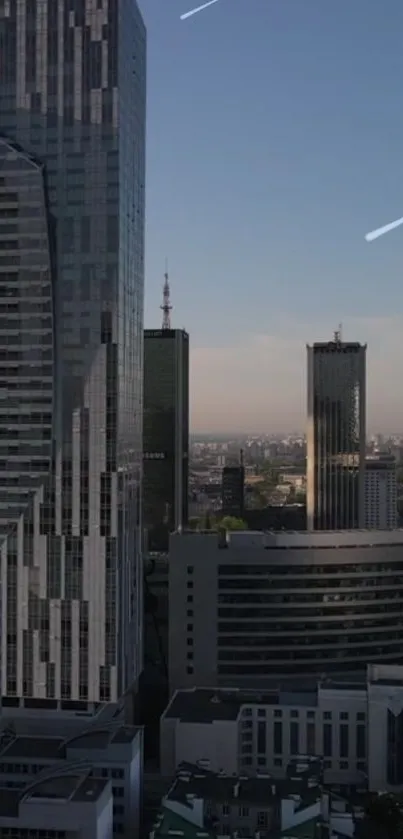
column 264, row 173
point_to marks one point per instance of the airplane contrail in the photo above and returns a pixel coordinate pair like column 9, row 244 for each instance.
column 198, row 9
column 375, row 234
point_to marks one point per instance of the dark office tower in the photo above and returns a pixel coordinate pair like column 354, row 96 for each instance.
column 165, row 433
column 232, row 491
column 72, row 150
column 336, row 435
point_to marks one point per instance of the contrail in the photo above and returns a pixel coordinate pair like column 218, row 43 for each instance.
column 199, row 9
column 382, row 230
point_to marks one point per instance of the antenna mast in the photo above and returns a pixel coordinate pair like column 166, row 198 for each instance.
column 166, row 305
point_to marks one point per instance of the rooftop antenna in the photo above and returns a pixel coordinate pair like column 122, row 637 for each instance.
column 166, row 306
column 337, row 334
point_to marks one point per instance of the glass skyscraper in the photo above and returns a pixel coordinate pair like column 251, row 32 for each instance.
column 72, row 171
column 336, row 435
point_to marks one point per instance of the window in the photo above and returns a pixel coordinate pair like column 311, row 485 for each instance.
column 294, row 738
column 278, row 738
column 361, row 744
column 327, row 715
column 261, row 737
column 294, row 713
column 310, row 738
column 343, row 741
column 344, row 715
column 244, row 812
column 327, row 740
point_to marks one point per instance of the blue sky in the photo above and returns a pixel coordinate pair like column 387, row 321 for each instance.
column 275, row 142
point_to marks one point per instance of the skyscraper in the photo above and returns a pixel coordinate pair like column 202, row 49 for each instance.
column 336, row 435
column 72, row 168
column 380, row 492
column 233, row 490
column 166, row 429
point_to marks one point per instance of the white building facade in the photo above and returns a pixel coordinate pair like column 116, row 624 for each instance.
column 250, row 605
column 355, row 727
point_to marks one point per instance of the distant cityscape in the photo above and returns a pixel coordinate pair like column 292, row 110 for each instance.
column 275, row 468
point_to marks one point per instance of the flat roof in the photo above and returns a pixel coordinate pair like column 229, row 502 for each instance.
column 37, row 747
column 54, row 748
column 308, row 539
column 209, row 705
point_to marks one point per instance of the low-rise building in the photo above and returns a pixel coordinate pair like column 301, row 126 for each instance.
column 356, row 727
column 87, row 752
column 201, row 803
column 68, row 804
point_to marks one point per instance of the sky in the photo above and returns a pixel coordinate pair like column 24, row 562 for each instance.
column 274, row 143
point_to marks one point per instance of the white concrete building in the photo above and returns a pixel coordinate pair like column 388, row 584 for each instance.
column 380, row 492
column 250, row 605
column 356, row 727
column 34, row 811
column 79, row 759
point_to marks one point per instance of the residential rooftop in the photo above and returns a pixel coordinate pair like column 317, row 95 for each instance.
column 256, row 791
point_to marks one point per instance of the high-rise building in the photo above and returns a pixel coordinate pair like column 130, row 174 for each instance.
column 233, row 490
column 336, row 435
column 166, row 433
column 72, row 168
column 380, row 492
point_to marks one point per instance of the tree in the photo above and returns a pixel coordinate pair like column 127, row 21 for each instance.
column 383, row 819
column 232, row 523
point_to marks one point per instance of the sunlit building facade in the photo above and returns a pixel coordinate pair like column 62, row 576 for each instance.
column 72, row 170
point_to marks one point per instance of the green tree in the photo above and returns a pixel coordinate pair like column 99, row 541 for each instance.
column 383, row 819
column 232, row 523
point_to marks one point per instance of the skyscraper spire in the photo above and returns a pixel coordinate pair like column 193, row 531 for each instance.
column 166, row 306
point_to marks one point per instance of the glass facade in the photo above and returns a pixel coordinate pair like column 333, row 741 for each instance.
column 336, row 436
column 166, row 433
column 73, row 98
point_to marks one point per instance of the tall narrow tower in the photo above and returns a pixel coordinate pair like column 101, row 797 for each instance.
column 336, row 435
column 166, row 303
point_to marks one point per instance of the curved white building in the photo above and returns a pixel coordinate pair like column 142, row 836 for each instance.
column 289, row 604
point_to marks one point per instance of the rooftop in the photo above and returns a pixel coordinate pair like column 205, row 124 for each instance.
column 209, row 704
column 295, row 539
column 77, row 786
column 254, row 791
column 54, row 748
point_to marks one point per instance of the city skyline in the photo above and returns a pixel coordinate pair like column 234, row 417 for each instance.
column 263, row 218
column 218, row 404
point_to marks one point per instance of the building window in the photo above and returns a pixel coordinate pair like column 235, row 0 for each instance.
column 261, row 737
column 344, row 715
column 294, row 738
column 327, row 740
column 294, row 713
column 278, row 738
column 343, row 741
column 310, row 738
column 361, row 742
